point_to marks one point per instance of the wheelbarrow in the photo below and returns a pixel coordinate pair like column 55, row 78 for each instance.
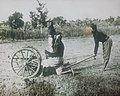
column 26, row 62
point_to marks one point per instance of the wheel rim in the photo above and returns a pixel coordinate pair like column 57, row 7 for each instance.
column 26, row 63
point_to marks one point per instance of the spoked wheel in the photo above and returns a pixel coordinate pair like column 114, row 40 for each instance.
column 27, row 62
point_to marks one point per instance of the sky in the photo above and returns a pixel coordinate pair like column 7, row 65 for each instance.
column 69, row 9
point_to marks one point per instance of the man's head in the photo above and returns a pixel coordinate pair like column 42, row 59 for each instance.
column 94, row 27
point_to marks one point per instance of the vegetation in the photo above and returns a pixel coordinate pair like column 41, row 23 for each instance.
column 39, row 19
column 17, row 29
column 96, row 84
column 32, row 88
column 15, row 21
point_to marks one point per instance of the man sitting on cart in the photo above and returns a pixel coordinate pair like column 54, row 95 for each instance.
column 58, row 50
column 54, row 60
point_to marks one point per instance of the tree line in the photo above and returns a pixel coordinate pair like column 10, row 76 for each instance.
column 15, row 28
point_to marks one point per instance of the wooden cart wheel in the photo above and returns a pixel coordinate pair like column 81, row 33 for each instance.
column 27, row 62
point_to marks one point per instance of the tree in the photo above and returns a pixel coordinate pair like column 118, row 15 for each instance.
column 34, row 19
column 27, row 26
column 15, row 20
column 39, row 18
column 117, row 21
column 110, row 19
column 59, row 20
column 78, row 22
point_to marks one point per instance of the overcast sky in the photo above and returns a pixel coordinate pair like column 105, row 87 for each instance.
column 69, row 9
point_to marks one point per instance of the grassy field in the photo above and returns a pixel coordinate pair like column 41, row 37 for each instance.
column 89, row 78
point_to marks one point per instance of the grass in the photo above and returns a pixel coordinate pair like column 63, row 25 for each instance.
column 98, row 86
column 89, row 82
column 32, row 88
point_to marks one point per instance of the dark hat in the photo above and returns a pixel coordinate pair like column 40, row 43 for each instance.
column 93, row 26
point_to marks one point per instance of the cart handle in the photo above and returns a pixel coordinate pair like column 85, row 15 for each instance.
column 80, row 61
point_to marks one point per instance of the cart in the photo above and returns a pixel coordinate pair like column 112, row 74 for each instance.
column 26, row 62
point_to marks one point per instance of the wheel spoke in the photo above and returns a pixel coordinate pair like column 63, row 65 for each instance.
column 28, row 70
column 35, row 66
column 25, row 62
column 32, row 70
column 24, row 71
column 22, row 54
column 20, row 69
column 27, row 54
column 30, row 58
column 17, row 63
column 33, row 62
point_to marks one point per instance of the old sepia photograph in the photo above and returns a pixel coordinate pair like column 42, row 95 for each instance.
column 59, row 47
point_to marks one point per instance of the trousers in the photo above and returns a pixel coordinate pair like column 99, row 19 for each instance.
column 107, row 50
